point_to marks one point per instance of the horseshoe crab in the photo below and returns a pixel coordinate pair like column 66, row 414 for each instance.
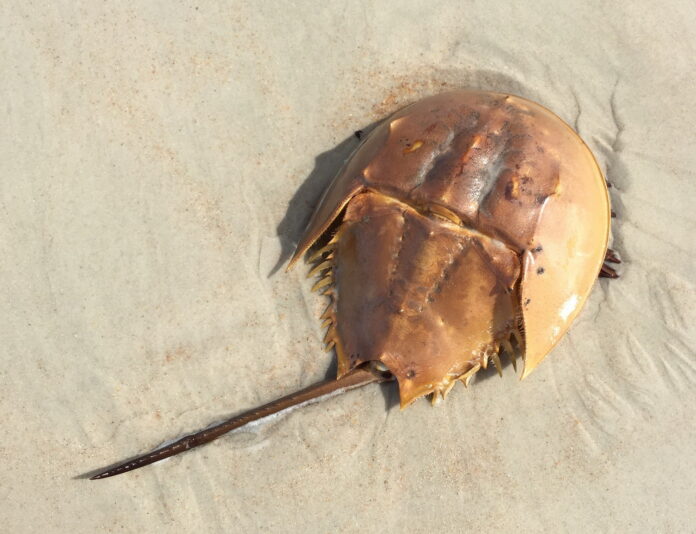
column 466, row 225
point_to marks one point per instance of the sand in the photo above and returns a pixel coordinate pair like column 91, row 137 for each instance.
column 158, row 161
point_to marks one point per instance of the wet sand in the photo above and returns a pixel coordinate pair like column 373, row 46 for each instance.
column 158, row 164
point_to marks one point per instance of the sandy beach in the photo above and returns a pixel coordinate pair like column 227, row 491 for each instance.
column 158, row 164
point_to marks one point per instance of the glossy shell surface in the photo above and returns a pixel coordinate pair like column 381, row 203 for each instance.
column 465, row 224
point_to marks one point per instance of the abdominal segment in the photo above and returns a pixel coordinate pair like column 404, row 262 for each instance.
column 428, row 298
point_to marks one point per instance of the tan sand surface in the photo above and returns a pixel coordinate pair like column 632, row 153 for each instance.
column 158, row 161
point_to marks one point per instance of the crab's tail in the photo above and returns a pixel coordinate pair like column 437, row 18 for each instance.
column 360, row 376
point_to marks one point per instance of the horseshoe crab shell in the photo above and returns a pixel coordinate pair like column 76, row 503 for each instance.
column 463, row 224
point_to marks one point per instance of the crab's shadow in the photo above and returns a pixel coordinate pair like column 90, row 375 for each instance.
column 302, row 204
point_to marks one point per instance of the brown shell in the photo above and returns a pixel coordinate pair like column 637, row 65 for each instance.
column 467, row 220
